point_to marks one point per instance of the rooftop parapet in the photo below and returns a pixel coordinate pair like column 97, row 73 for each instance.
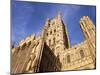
column 28, row 39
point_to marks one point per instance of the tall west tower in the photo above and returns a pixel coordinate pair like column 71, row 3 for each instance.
column 90, row 33
column 56, row 35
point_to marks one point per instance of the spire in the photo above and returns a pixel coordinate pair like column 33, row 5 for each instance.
column 59, row 16
column 47, row 21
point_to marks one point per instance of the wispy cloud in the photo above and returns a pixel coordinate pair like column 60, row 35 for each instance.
column 30, row 17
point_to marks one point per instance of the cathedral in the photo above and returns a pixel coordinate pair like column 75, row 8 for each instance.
column 52, row 52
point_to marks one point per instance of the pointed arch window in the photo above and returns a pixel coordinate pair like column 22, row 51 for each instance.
column 68, row 59
column 54, row 30
column 47, row 34
column 48, row 24
column 54, row 40
column 81, row 53
column 49, row 42
column 50, row 32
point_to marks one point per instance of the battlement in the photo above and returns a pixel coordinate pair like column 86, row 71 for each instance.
column 76, row 46
column 27, row 40
column 79, row 44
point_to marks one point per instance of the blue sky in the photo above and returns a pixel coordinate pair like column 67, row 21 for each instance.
column 29, row 17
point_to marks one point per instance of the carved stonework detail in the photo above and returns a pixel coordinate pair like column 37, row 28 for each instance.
column 51, row 51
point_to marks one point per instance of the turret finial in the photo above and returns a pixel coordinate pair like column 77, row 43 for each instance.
column 59, row 15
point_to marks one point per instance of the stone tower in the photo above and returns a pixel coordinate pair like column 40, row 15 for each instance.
column 51, row 51
column 82, row 55
column 56, row 35
column 89, row 32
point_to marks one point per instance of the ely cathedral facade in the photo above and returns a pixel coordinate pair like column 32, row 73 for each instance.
column 52, row 52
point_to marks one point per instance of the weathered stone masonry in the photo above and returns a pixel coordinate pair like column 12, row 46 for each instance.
column 51, row 51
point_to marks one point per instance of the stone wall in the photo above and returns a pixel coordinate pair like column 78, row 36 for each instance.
column 52, row 52
column 26, row 56
column 56, row 35
column 89, row 33
column 79, row 57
